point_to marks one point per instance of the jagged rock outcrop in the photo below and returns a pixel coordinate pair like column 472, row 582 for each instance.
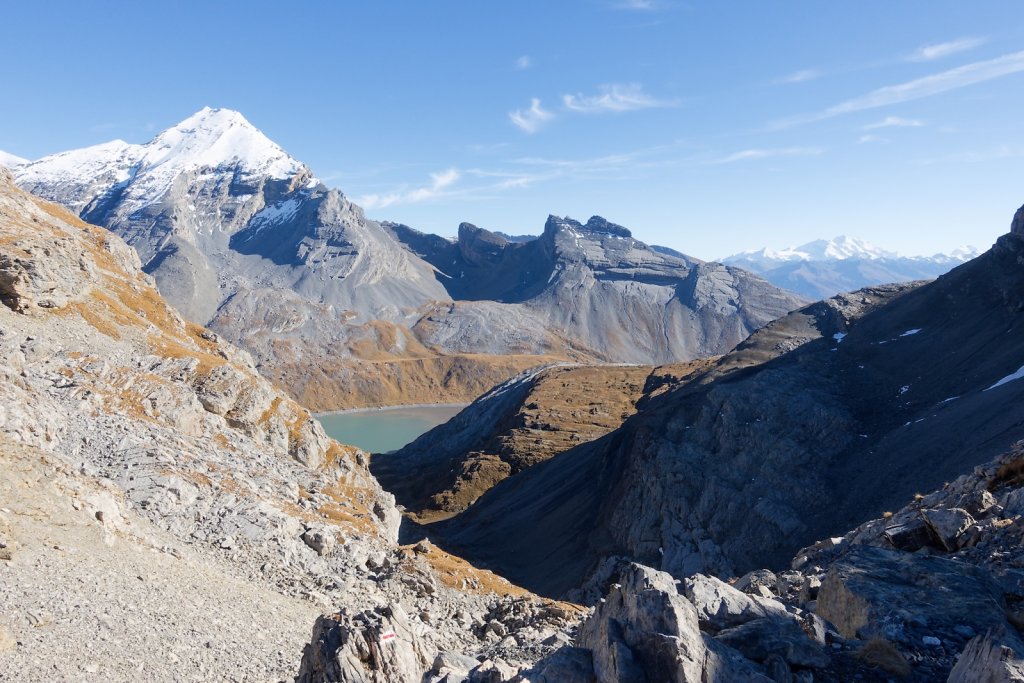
column 786, row 440
column 1017, row 227
column 645, row 631
column 995, row 657
column 243, row 238
column 374, row 646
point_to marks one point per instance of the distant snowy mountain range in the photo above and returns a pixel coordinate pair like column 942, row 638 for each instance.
column 822, row 268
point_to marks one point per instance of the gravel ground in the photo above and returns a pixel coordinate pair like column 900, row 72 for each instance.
column 121, row 600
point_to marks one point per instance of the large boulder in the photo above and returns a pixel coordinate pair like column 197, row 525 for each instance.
column 904, row 597
column 380, row 645
column 720, row 606
column 646, row 632
column 995, row 657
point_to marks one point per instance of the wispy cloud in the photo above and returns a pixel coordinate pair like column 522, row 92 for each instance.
column 530, row 120
column 638, row 5
column 927, row 53
column 871, row 137
column 894, row 122
column 801, row 76
column 766, row 153
column 439, row 182
column 524, row 62
column 614, row 98
column 927, row 86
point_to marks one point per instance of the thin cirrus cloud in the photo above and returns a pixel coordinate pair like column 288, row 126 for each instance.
column 894, row 122
column 638, row 5
column 614, row 98
column 766, row 153
column 531, row 120
column 927, row 53
column 524, row 62
column 439, row 183
column 801, row 76
column 926, row 86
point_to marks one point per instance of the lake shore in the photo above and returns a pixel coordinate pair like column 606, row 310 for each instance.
column 379, row 409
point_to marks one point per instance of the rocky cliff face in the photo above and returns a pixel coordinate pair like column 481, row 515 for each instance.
column 243, row 238
column 820, row 420
column 605, row 290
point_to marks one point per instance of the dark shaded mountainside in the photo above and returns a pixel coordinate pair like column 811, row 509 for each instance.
column 822, row 419
column 344, row 311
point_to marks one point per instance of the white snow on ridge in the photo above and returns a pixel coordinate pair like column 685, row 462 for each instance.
column 94, row 161
column 11, row 160
column 1009, row 378
column 209, row 139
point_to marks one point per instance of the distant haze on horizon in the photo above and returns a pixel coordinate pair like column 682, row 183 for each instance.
column 698, row 131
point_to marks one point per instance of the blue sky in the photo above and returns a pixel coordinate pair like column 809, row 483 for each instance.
column 708, row 127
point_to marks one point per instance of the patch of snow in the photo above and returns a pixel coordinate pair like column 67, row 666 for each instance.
column 275, row 213
column 1009, row 378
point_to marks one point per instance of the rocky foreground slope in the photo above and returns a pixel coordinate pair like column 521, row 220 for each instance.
column 824, row 418
column 343, row 311
column 168, row 514
column 930, row 593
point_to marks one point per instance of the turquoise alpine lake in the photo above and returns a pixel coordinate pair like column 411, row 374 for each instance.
column 382, row 430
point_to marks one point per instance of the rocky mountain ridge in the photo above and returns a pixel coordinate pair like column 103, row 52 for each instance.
column 243, row 238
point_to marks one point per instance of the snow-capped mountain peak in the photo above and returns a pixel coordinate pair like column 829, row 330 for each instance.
column 11, row 160
column 211, row 141
column 214, row 137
